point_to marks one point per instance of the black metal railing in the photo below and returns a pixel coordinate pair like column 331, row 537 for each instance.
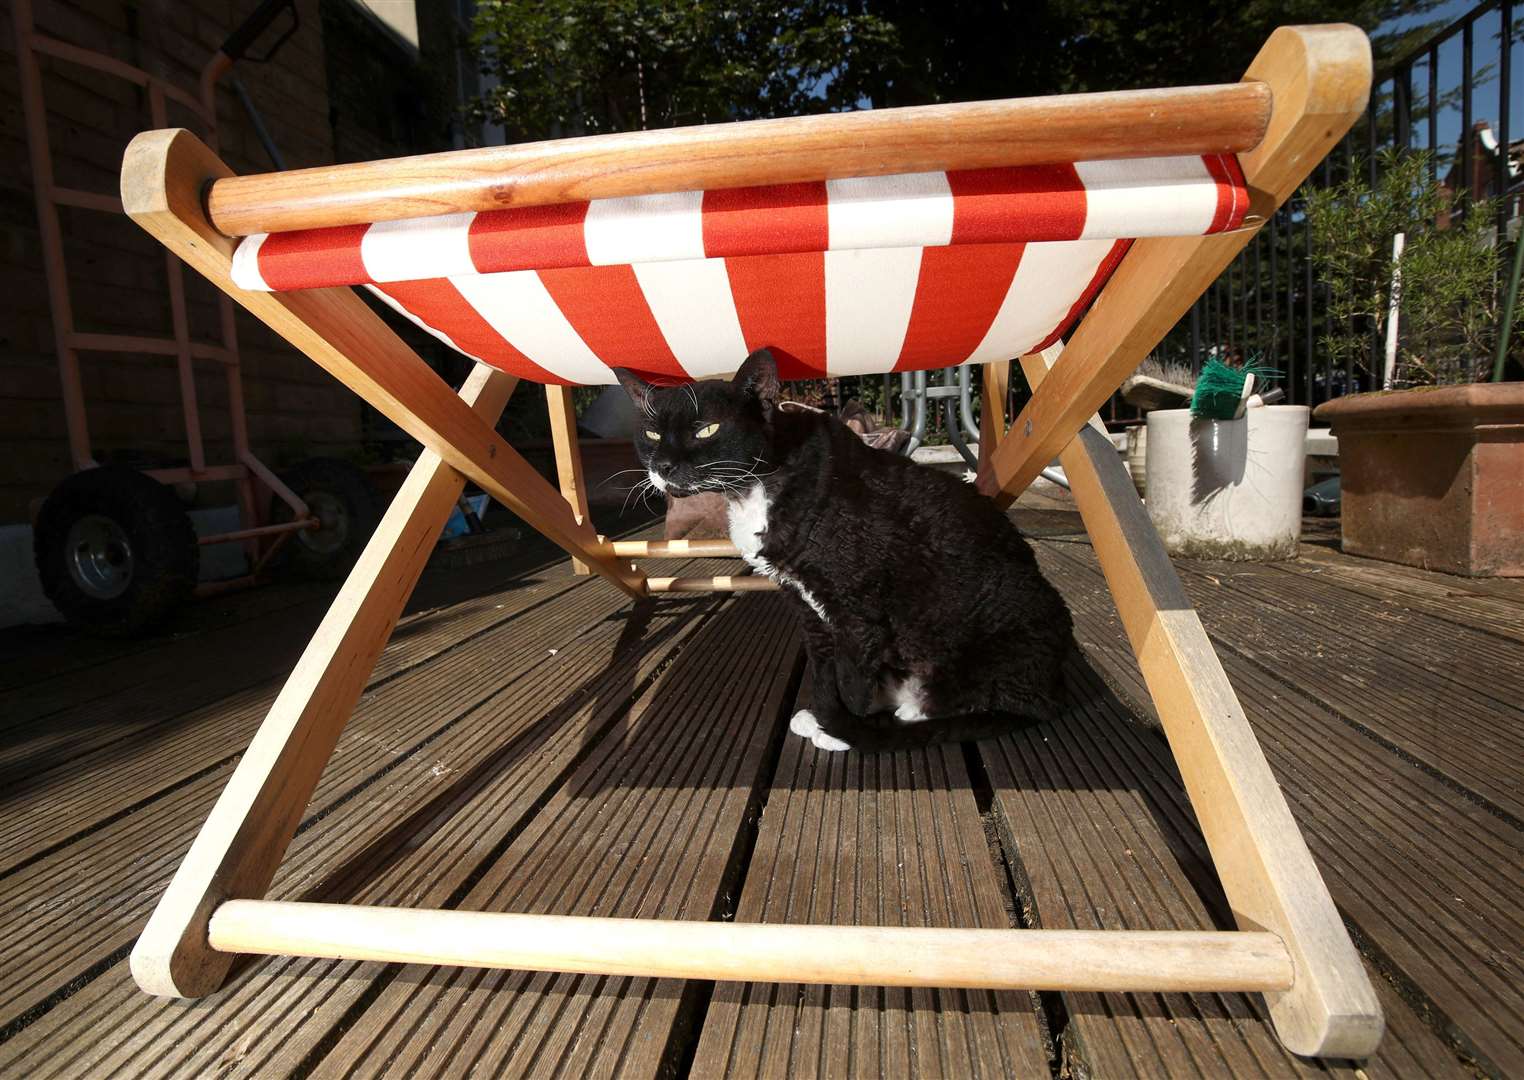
column 1268, row 304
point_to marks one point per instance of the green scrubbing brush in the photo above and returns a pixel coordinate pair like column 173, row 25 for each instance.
column 1222, row 390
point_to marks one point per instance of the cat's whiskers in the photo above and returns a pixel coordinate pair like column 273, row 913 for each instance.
column 614, row 476
column 644, row 486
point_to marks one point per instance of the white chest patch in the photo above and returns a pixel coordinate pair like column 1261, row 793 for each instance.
column 748, row 521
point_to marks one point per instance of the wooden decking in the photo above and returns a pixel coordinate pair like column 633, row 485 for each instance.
column 531, row 742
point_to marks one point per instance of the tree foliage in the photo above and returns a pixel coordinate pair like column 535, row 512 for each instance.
column 1448, row 281
column 587, row 66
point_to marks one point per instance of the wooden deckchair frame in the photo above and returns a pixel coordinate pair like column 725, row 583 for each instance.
column 1301, row 94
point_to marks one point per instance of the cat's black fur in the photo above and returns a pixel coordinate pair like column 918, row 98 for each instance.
column 917, row 575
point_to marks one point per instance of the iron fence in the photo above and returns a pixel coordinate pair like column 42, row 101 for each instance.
column 1268, row 305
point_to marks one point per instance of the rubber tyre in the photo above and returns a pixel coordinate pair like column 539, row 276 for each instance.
column 341, row 497
column 147, row 560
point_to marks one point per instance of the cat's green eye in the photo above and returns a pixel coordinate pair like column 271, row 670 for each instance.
column 706, row 431
column 654, row 436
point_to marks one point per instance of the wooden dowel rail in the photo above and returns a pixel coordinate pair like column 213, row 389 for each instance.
column 718, row 583
column 1135, row 123
column 673, row 549
column 1102, row 960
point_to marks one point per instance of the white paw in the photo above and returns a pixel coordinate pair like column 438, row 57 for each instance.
column 911, row 698
column 828, row 742
column 909, row 713
column 804, row 724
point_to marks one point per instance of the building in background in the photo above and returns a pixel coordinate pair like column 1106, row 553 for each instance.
column 359, row 79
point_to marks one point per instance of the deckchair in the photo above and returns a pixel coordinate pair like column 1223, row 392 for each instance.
column 850, row 243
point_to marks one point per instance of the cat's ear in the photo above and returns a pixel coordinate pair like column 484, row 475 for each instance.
column 638, row 389
column 759, row 376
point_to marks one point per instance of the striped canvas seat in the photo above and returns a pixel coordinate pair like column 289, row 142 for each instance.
column 842, row 277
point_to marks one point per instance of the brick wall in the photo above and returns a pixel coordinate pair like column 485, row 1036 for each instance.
column 117, row 274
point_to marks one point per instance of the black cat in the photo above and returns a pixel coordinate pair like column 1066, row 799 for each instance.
column 925, row 616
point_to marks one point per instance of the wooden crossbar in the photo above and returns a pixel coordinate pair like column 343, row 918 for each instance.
column 674, row 549
column 718, row 583
column 973, row 135
column 1143, row 960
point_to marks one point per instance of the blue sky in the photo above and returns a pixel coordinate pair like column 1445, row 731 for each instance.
column 1485, row 101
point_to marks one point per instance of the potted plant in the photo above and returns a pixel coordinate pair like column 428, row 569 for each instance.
column 1432, row 464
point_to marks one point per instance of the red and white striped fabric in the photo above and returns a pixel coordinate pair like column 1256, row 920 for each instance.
column 842, row 277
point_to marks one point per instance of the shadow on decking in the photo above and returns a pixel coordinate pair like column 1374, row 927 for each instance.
column 648, row 628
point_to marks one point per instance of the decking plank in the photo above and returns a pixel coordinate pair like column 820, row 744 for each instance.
column 1401, row 577
column 1360, row 671
column 399, row 718
column 175, row 748
column 1483, row 662
column 1090, row 835
column 398, row 840
column 40, row 655
column 192, row 670
column 1432, row 881
column 647, row 827
column 1443, row 596
column 1426, row 873
column 196, row 674
column 884, row 839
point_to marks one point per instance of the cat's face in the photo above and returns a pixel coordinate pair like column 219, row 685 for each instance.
column 709, row 435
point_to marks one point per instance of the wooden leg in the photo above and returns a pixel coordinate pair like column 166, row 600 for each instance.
column 241, row 844
column 164, row 174
column 996, row 388
column 1320, row 76
column 1262, row 860
column 563, row 433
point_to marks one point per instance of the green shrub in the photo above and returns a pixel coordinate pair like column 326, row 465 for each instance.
column 1450, row 288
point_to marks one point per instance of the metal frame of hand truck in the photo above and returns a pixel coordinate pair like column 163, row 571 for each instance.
column 261, row 538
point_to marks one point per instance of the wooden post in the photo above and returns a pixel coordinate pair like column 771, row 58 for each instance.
column 164, row 175
column 1261, row 859
column 563, row 435
column 1320, row 77
column 1163, row 960
column 241, row 844
column 994, row 391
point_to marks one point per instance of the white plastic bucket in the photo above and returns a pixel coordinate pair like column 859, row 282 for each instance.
column 1228, row 489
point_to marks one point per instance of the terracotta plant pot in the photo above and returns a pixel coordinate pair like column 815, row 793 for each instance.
column 1434, row 477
